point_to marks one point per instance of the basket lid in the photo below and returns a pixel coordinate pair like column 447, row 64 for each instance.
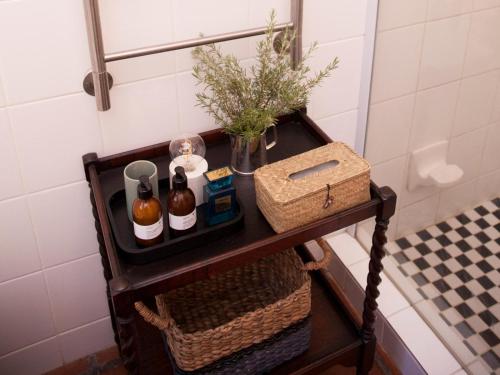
column 310, row 172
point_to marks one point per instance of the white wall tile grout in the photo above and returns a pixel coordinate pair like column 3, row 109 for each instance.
column 46, row 190
column 18, row 278
column 45, row 99
column 437, row 85
column 400, row 310
column 419, row 70
column 104, row 318
column 336, row 41
column 3, row 88
column 69, row 262
column 51, row 303
column 437, row 19
column 48, row 268
column 11, row 131
column 327, row 117
column 30, row 345
column 83, row 325
column 366, row 81
column 497, row 90
column 461, row 79
column 41, row 263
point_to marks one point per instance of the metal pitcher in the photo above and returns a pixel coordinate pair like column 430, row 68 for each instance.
column 248, row 155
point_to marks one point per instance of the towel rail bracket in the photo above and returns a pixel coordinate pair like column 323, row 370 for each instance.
column 88, row 83
column 99, row 81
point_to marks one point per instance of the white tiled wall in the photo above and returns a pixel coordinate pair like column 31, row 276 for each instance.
column 51, row 285
column 436, row 77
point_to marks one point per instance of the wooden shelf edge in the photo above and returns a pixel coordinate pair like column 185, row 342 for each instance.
column 253, row 252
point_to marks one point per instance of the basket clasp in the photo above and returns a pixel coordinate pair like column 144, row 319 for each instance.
column 329, row 199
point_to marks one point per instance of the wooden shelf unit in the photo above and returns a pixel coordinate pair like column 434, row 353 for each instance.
column 336, row 338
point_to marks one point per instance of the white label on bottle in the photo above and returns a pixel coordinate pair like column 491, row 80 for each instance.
column 148, row 232
column 182, row 222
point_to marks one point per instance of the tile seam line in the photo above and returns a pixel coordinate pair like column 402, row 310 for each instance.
column 16, row 149
column 474, row 179
column 434, row 86
column 439, row 332
column 432, row 332
column 402, row 308
column 30, row 345
column 390, row 275
column 48, row 268
column 411, row 131
column 46, row 98
column 390, row 281
column 72, row 261
column 52, row 313
column 241, row 60
column 2, row 85
column 27, row 206
column 343, row 112
column 84, row 325
column 427, row 20
column 44, row 276
column 495, row 95
column 460, row 84
column 9, row 104
column 387, row 278
column 54, row 337
column 44, row 190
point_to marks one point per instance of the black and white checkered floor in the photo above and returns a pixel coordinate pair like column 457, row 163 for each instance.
column 456, row 265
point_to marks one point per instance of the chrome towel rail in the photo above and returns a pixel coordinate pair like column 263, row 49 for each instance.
column 98, row 82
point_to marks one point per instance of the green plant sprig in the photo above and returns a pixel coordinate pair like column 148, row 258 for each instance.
column 246, row 101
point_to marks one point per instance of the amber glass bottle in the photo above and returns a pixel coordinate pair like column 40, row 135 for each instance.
column 147, row 215
column 181, row 206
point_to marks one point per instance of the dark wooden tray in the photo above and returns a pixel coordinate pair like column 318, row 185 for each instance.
column 123, row 230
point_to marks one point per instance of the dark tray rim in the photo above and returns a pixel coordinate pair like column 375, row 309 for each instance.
column 136, row 255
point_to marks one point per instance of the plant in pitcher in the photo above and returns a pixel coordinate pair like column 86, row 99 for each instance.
column 246, row 101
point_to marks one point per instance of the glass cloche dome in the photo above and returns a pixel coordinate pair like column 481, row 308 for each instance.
column 187, row 150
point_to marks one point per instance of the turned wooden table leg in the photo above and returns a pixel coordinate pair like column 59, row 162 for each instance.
column 377, row 252
column 105, row 263
column 125, row 315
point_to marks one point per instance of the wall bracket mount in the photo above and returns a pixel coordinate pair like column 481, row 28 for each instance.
column 98, row 82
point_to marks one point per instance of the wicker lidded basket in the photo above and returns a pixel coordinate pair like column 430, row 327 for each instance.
column 213, row 318
column 312, row 185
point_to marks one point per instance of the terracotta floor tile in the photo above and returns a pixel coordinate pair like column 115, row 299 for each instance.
column 77, row 367
column 120, row 370
column 107, row 355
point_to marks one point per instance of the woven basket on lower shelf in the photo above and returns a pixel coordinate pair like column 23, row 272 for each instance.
column 259, row 358
column 213, row 318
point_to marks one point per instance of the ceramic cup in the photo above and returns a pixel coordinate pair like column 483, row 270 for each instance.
column 131, row 175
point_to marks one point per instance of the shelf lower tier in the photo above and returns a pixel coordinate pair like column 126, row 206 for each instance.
column 334, row 339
